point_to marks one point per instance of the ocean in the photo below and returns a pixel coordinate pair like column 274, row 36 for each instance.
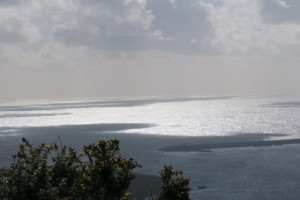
column 219, row 142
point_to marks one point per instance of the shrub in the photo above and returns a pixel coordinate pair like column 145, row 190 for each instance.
column 105, row 175
column 53, row 172
column 28, row 176
column 175, row 185
column 58, row 172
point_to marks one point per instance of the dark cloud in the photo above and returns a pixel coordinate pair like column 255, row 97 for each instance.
column 9, row 2
column 281, row 11
column 111, row 25
column 183, row 29
column 139, row 47
column 15, row 29
column 99, row 40
column 100, row 32
column 184, row 22
column 12, row 34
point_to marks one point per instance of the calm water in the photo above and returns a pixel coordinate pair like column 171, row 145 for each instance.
column 146, row 125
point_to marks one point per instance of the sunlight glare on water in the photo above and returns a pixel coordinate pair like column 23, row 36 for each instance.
column 182, row 118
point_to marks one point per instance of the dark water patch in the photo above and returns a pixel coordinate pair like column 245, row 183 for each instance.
column 72, row 135
column 283, row 105
column 111, row 103
column 32, row 115
column 75, row 130
column 264, row 96
column 201, row 143
column 251, row 173
column 208, row 147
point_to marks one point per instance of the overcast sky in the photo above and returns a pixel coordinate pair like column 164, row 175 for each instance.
column 89, row 48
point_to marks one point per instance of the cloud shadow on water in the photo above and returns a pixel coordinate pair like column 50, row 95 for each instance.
column 110, row 103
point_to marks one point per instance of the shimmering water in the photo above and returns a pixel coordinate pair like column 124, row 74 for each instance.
column 144, row 126
column 180, row 117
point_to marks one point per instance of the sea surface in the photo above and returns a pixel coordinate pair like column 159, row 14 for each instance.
column 236, row 168
column 203, row 116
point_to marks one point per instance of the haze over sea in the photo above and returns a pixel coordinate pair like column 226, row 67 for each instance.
column 216, row 141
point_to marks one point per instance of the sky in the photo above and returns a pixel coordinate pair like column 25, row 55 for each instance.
column 116, row 48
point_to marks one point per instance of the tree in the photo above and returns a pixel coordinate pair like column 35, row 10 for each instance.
column 105, row 174
column 59, row 172
column 175, row 185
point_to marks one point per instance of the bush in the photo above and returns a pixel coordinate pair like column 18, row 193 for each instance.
column 175, row 186
column 106, row 175
column 58, row 172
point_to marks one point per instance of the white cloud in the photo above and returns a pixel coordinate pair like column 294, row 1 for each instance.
column 158, row 34
column 280, row 11
column 238, row 27
column 283, row 3
column 114, row 43
column 16, row 27
column 121, row 11
column 173, row 3
column 194, row 41
column 107, row 25
column 26, row 19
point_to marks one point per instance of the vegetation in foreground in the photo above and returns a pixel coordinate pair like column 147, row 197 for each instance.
column 59, row 172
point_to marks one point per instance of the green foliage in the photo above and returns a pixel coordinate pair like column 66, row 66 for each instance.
column 175, row 186
column 59, row 172
column 106, row 175
column 50, row 172
column 28, row 176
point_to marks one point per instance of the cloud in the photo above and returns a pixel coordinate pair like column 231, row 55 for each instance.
column 74, row 22
column 188, row 21
column 283, row 3
column 105, row 25
column 121, row 11
column 10, row 33
column 238, row 27
column 173, row 3
column 145, row 46
column 158, row 34
column 194, row 27
column 9, row 2
column 15, row 27
column 280, row 11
